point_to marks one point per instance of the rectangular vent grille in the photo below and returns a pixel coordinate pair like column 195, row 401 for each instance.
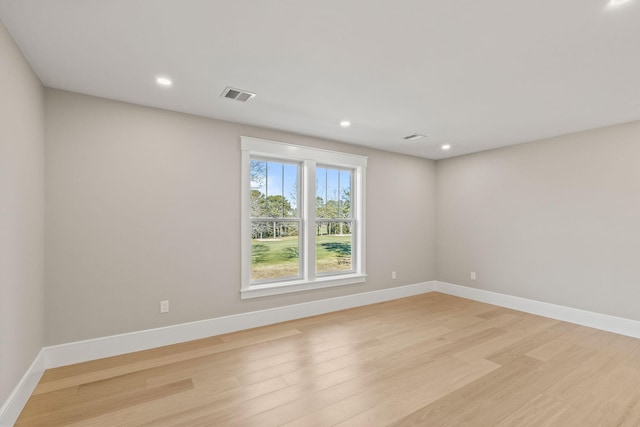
column 237, row 94
column 414, row 137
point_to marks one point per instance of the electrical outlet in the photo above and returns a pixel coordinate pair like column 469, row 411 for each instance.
column 393, row 274
column 473, row 275
column 164, row 306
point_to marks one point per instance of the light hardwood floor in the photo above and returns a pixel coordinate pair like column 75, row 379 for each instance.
column 432, row 360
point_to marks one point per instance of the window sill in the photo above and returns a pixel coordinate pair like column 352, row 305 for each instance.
column 257, row 291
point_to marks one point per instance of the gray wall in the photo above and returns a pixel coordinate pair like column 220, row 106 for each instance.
column 21, row 214
column 555, row 221
column 144, row 205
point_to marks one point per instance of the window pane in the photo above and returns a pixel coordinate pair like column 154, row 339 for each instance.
column 345, row 194
column 291, row 190
column 333, row 246
column 321, row 191
column 258, row 183
column 333, row 193
column 274, row 189
column 275, row 249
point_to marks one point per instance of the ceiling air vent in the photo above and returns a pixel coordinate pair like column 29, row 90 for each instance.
column 414, row 137
column 237, row 94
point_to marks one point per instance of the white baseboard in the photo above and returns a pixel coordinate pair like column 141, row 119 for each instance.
column 82, row 351
column 12, row 407
column 604, row 322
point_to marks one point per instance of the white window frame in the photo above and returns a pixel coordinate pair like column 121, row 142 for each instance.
column 308, row 158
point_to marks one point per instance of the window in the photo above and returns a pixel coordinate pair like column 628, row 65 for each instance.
column 275, row 223
column 302, row 218
column 334, row 239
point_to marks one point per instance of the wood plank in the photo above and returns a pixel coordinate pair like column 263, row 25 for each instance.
column 431, row 359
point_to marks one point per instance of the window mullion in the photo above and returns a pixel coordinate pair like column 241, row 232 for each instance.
column 245, row 229
column 309, row 218
column 358, row 214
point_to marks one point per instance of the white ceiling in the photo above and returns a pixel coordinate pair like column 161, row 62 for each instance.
column 473, row 74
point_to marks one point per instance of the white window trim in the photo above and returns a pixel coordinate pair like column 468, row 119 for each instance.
column 309, row 157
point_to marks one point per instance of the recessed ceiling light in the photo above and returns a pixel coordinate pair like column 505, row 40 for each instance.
column 345, row 123
column 446, row 147
column 616, row 3
column 164, row 82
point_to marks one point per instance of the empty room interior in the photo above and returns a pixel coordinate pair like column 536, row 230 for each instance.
column 324, row 213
